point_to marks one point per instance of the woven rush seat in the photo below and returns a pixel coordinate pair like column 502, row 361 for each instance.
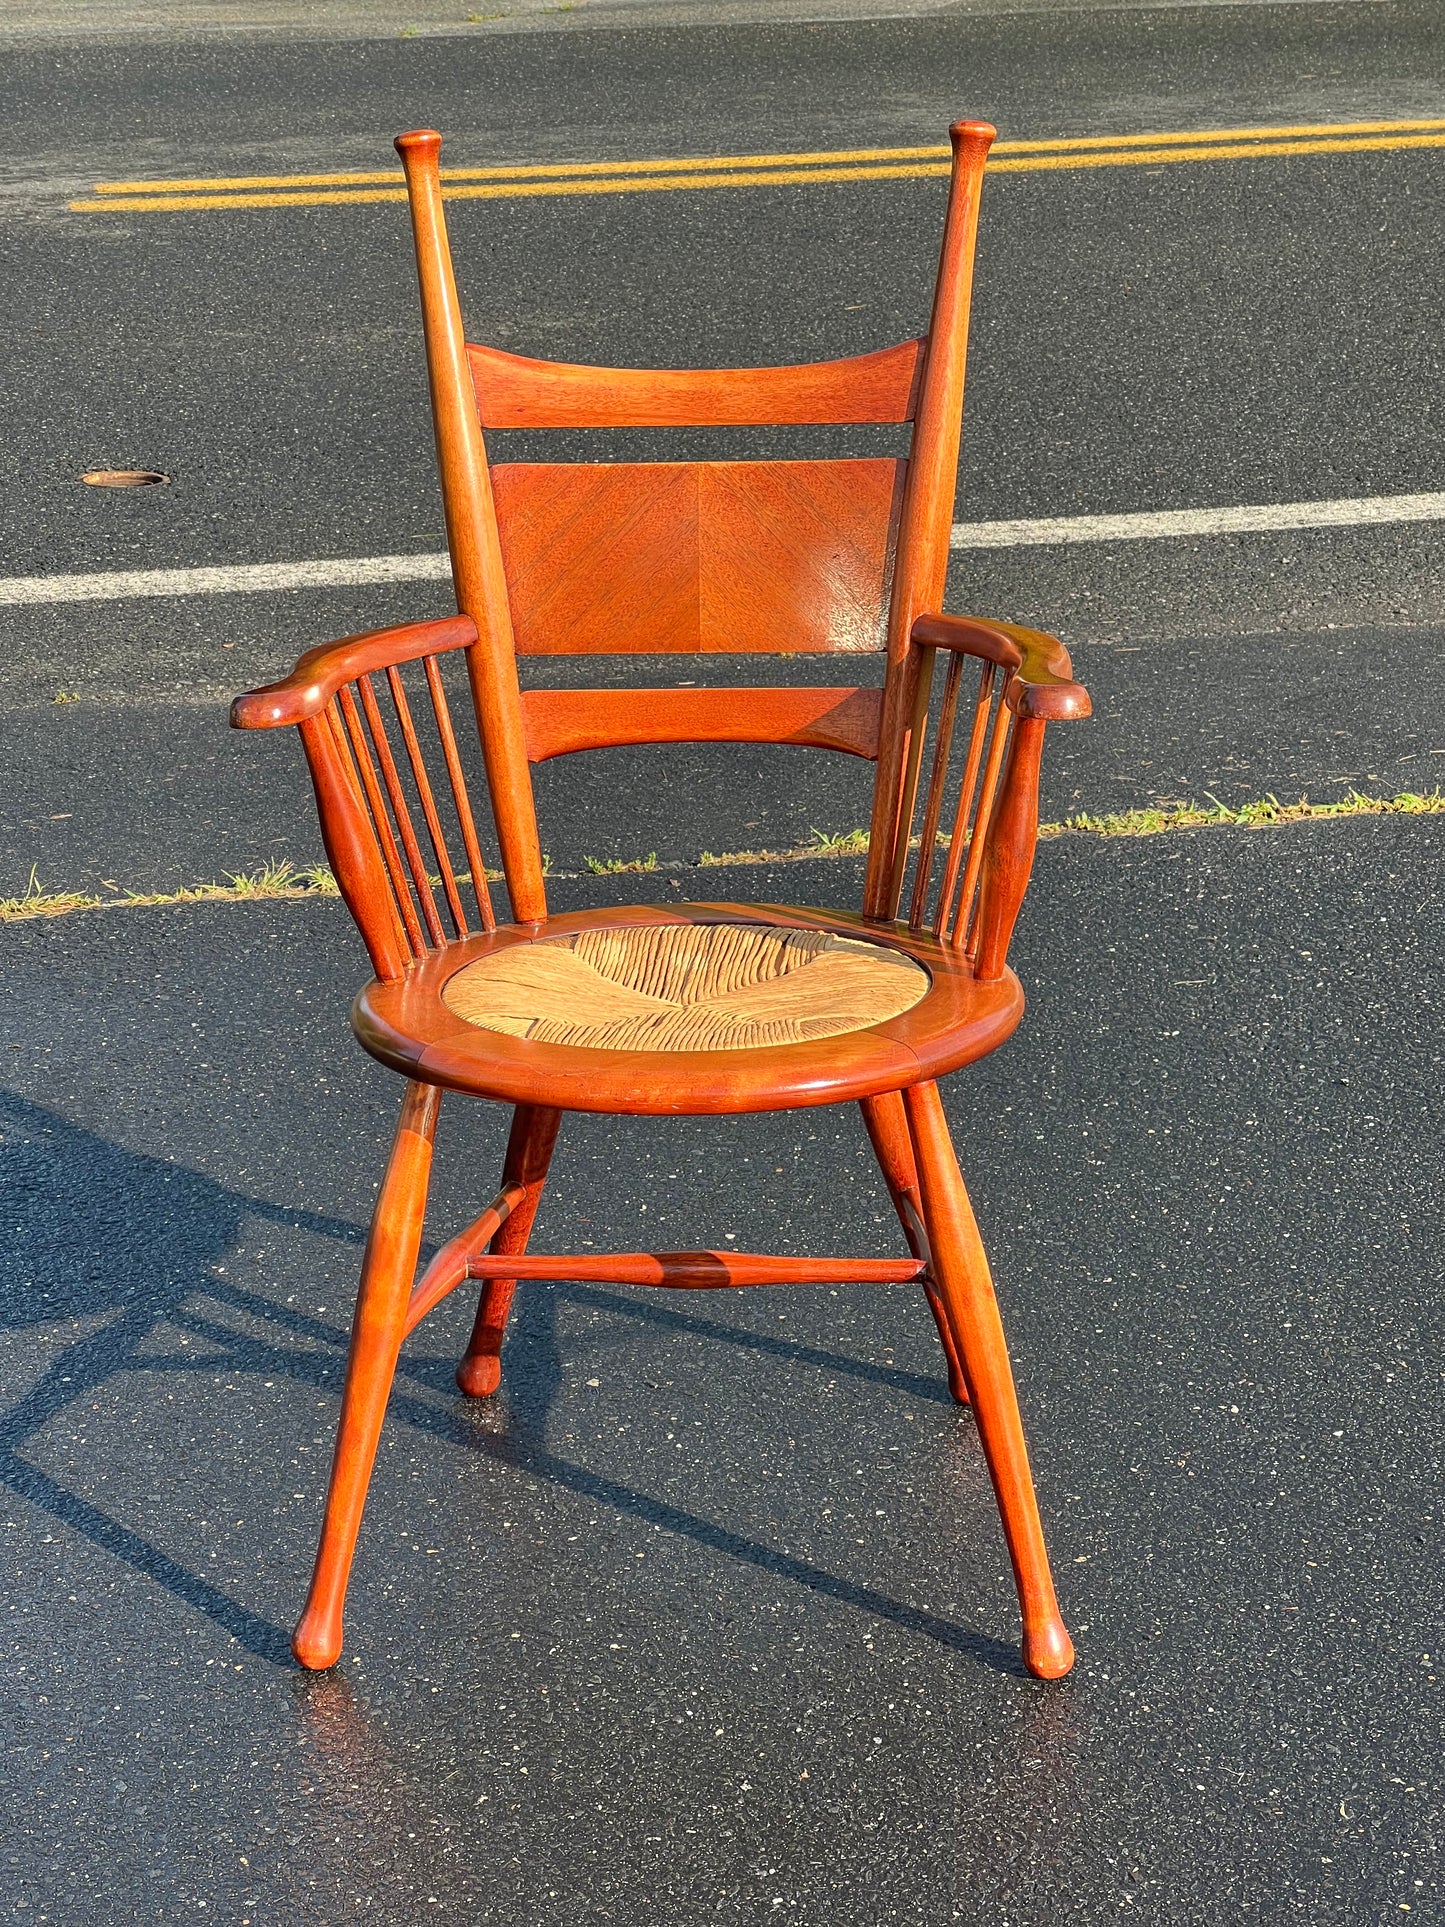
column 686, row 987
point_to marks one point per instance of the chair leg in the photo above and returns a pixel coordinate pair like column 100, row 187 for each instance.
column 387, row 1271
column 529, row 1153
column 887, row 1125
column 962, row 1276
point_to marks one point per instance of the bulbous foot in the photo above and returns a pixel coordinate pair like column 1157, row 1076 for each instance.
column 479, row 1374
column 1048, row 1651
column 317, row 1640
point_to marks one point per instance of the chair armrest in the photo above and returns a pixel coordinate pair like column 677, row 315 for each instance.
column 1038, row 688
column 321, row 672
column 1042, row 684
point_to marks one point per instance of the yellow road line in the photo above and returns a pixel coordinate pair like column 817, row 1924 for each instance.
column 513, row 190
column 539, row 171
column 763, row 170
column 1264, row 150
column 734, row 162
column 1213, row 135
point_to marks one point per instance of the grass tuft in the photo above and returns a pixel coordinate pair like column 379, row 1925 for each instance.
column 284, row 882
column 611, row 866
column 1262, row 814
column 850, row 843
column 274, row 882
column 35, row 902
column 281, row 880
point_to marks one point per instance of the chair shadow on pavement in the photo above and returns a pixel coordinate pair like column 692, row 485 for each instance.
column 101, row 1233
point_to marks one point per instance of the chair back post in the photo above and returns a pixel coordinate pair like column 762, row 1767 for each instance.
column 481, row 586
column 925, row 525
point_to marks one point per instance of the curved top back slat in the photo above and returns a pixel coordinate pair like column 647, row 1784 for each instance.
column 515, row 392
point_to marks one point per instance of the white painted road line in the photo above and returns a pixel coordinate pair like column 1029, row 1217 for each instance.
column 254, row 578
column 1361, row 512
column 349, row 572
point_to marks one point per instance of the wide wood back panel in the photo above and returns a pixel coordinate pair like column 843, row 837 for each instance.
column 516, row 392
column 697, row 557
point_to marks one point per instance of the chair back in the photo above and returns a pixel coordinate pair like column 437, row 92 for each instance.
column 676, row 558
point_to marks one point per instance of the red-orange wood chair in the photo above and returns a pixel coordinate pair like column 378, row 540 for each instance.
column 686, row 1008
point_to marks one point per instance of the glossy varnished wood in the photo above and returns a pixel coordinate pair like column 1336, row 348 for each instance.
column 887, row 1126
column 407, row 1025
column 516, row 392
column 1043, row 686
column 927, row 513
column 321, row 672
column 449, row 1268
column 703, row 1270
column 959, row 1268
column 530, row 1144
column 349, row 839
column 561, row 721
column 472, row 538
column 376, row 1334
column 682, row 558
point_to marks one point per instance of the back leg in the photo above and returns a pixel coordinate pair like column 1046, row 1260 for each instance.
column 887, row 1125
column 961, row 1273
column 377, row 1330
column 529, row 1153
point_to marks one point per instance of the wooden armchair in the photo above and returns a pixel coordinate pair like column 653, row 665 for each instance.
column 682, row 1008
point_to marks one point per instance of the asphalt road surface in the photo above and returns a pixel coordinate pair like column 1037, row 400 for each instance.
column 707, row 1617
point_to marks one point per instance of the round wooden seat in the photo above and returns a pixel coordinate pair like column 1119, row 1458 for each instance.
column 687, row 1008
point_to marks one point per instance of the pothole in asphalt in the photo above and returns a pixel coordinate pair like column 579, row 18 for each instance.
column 124, row 478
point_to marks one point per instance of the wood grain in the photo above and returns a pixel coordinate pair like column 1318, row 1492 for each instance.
column 1008, row 850
column 515, row 392
column 704, row 1270
column 351, row 847
column 960, row 1272
column 448, row 1268
column 1043, row 681
column 887, row 1127
column 683, row 558
column 530, row 1144
column 376, row 1334
column 477, row 572
column 321, row 672
column 687, row 557
column 407, row 1024
column 561, row 721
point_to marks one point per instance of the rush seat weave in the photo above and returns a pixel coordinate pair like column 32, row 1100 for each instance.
column 686, row 987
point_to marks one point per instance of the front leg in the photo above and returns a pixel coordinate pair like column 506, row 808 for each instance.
column 377, row 1330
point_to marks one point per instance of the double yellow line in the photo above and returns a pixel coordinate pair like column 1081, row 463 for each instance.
column 762, row 170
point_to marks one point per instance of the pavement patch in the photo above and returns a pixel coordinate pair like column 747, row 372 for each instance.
column 726, row 1582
